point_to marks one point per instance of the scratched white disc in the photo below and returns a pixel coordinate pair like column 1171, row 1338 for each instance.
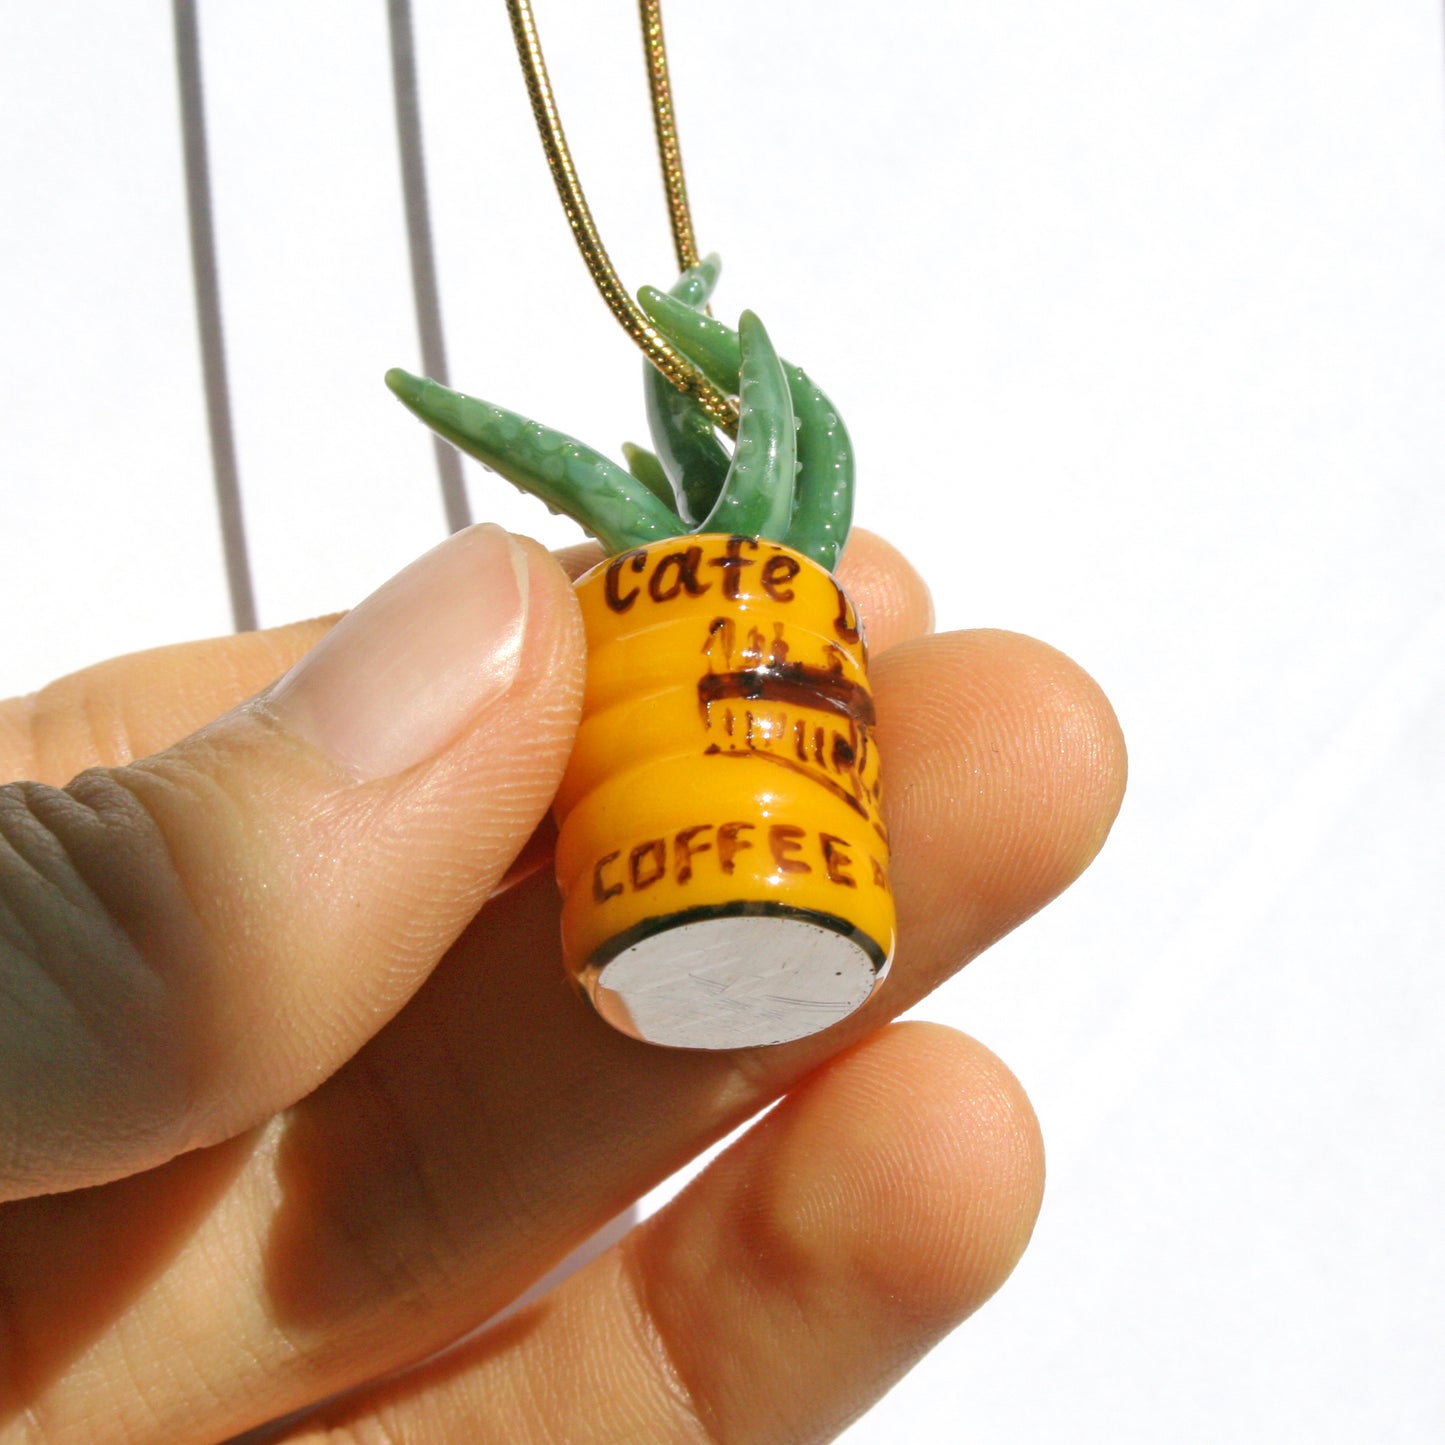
column 734, row 981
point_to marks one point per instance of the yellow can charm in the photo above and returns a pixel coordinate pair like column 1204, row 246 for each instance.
column 722, row 858
column 723, row 862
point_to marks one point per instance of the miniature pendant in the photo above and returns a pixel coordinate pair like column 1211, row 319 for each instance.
column 723, row 862
column 722, row 859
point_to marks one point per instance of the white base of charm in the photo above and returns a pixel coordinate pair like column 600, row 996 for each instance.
column 731, row 983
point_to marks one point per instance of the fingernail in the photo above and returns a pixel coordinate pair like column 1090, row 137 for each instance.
column 402, row 674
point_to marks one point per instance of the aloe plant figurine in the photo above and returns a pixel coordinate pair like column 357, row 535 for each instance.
column 790, row 477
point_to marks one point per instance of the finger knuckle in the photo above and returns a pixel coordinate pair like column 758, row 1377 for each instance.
column 88, row 1034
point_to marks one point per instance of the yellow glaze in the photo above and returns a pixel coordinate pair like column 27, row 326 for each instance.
column 725, row 758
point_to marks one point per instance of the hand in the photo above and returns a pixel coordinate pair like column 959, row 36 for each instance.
column 293, row 1093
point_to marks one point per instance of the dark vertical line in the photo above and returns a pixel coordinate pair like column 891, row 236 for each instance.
column 419, row 243
column 208, row 317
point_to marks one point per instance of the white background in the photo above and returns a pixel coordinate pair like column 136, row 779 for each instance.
column 1136, row 310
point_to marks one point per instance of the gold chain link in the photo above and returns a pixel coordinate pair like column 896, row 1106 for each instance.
column 660, row 88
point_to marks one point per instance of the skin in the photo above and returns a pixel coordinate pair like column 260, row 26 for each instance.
column 446, row 1118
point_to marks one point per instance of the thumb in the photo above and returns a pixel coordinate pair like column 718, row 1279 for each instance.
column 192, row 942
